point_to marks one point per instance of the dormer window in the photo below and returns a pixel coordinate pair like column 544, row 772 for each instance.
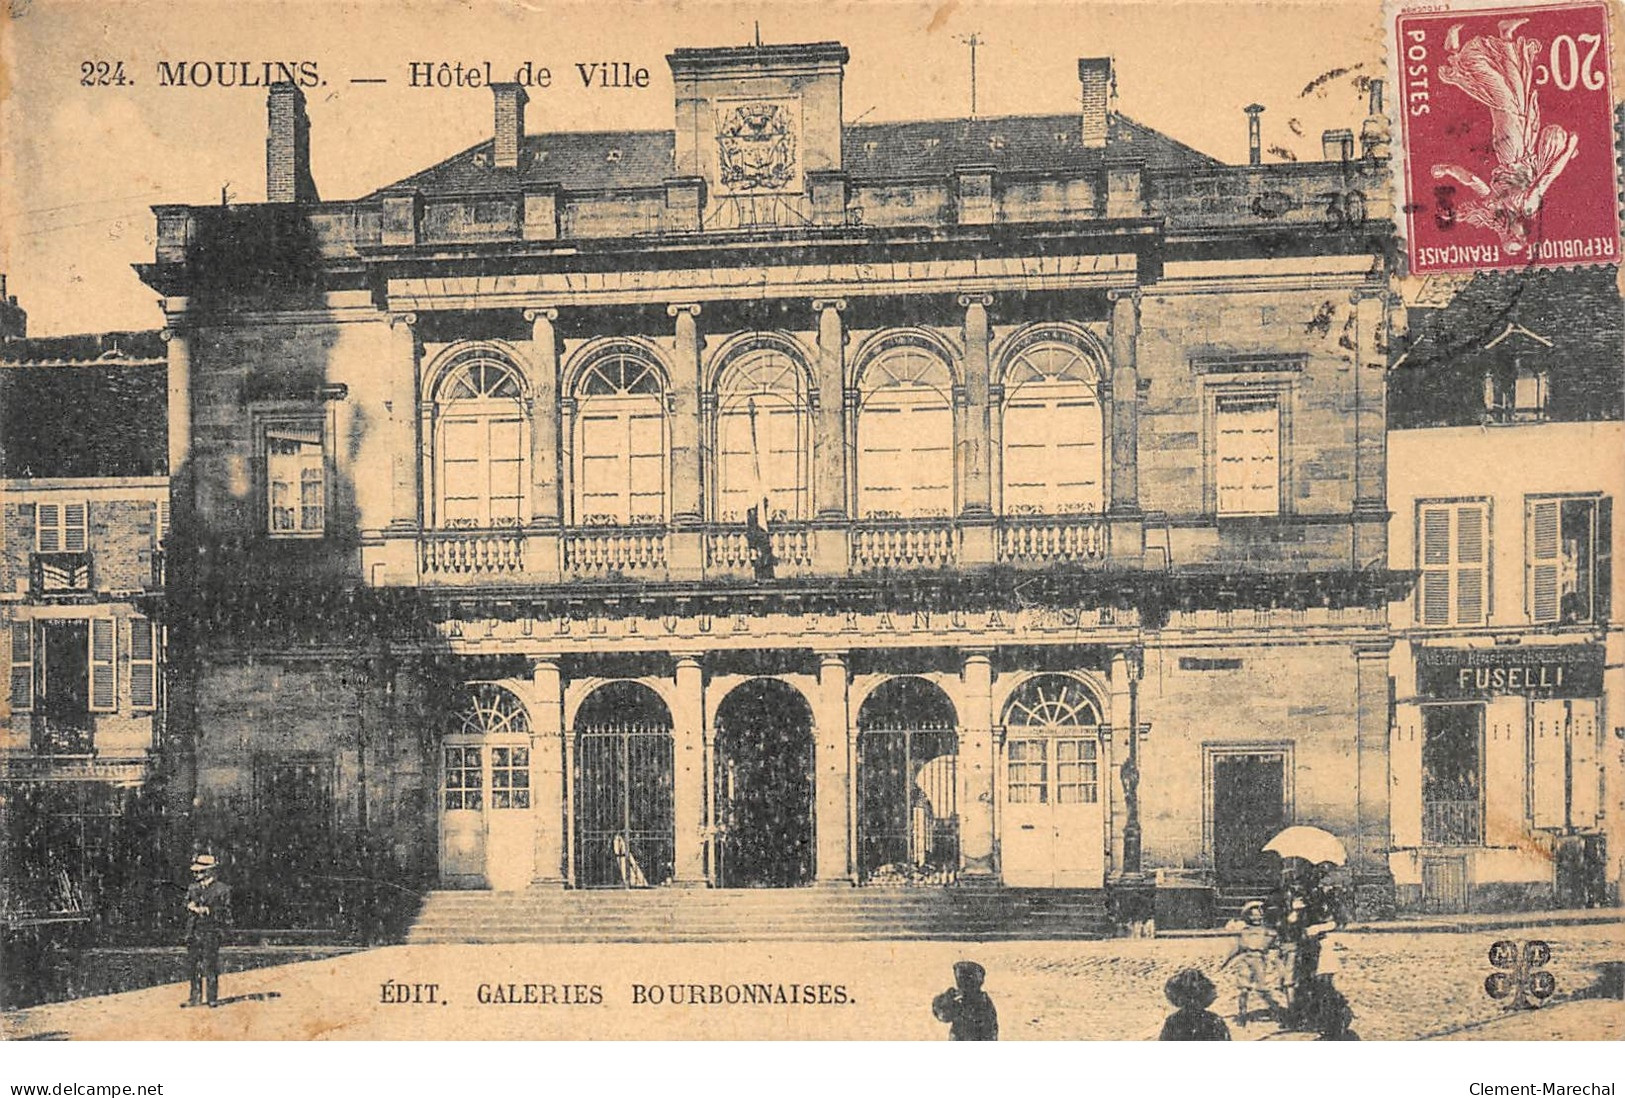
column 1515, row 395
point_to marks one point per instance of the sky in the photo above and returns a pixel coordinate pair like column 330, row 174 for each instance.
column 84, row 164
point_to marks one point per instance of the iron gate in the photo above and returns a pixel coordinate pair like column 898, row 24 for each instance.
column 623, row 806
column 908, row 805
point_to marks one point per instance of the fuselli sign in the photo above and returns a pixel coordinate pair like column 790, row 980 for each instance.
column 1551, row 671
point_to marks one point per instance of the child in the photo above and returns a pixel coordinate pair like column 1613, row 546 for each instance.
column 1192, row 993
column 966, row 1007
column 1254, row 962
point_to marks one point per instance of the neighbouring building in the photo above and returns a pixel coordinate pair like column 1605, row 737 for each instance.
column 1506, row 455
column 85, row 491
column 775, row 500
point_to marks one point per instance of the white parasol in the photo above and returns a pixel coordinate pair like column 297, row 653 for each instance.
column 1312, row 844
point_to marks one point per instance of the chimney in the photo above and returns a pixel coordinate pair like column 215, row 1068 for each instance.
column 287, row 147
column 1255, row 134
column 1095, row 79
column 1337, row 145
column 1374, row 132
column 510, row 124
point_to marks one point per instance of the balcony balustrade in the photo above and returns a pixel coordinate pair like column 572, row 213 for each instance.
column 452, row 553
column 595, row 551
column 1053, row 539
column 1451, row 823
column 902, row 544
column 728, row 548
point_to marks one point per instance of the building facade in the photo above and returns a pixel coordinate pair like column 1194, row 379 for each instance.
column 1504, row 465
column 82, row 535
column 774, row 501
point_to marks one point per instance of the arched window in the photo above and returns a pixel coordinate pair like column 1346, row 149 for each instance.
column 482, row 443
column 621, row 441
column 762, row 447
column 906, row 436
column 1052, row 753
column 1053, row 457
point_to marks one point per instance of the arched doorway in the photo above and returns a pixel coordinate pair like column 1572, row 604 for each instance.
column 908, row 807
column 623, row 788
column 763, row 782
column 487, row 826
column 1053, row 833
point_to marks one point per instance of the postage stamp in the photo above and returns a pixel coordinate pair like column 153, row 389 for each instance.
column 1508, row 137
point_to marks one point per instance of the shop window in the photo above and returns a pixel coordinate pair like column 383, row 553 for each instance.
column 1569, row 559
column 1452, row 775
column 1247, row 453
column 906, row 437
column 295, row 478
column 1452, row 557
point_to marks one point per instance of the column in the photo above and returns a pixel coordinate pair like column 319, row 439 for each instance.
column 1370, row 430
column 403, row 411
column 1373, row 880
column 829, row 480
column 688, row 773
column 976, row 765
column 832, row 770
column 685, row 428
column 975, row 485
column 547, row 773
column 1125, row 494
column 544, row 417
column 180, row 398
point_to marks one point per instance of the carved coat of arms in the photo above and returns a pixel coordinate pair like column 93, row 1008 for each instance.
column 756, row 147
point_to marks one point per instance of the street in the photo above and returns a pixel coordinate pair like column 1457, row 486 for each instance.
column 1402, row 985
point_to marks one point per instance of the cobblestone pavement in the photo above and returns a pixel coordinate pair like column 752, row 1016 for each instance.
column 1402, row 986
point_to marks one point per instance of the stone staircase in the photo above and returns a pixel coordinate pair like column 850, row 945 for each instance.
column 822, row 914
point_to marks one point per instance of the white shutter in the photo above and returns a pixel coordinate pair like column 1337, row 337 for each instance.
column 1247, row 454
column 1506, row 775
column 103, row 665
column 1433, row 547
column 1545, row 559
column 22, row 666
column 48, row 527
column 1548, row 725
column 1585, row 762
column 1405, row 769
column 143, row 665
column 75, row 524
column 1470, row 562
column 160, row 523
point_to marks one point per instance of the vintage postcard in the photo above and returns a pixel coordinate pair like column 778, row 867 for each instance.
column 964, row 521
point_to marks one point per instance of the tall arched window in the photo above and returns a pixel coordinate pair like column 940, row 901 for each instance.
column 906, row 436
column 621, row 441
column 1053, row 457
column 763, row 431
column 482, row 443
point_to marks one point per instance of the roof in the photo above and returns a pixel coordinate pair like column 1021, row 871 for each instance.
column 89, row 347
column 607, row 160
column 83, row 418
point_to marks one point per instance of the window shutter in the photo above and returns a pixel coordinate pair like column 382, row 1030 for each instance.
column 1545, row 559
column 143, row 665
column 1247, row 455
column 103, row 666
column 1584, row 763
column 1434, row 546
column 160, row 526
column 1548, row 722
column 1506, row 771
column 1603, row 576
column 1470, row 564
column 1405, row 765
column 75, row 520
column 22, row 666
column 48, row 527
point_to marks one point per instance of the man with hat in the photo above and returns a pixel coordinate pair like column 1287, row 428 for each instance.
column 208, row 913
column 966, row 1007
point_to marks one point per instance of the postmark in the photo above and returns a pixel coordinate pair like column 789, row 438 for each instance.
column 1507, row 138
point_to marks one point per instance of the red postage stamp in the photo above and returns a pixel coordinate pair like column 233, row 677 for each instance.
column 1507, row 119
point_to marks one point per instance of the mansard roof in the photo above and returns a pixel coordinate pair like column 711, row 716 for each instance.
column 84, row 406
column 609, row 160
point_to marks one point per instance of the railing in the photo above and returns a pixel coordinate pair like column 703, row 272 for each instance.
column 729, row 547
column 1451, row 823
column 590, row 550
column 465, row 553
column 1045, row 540
column 902, row 543
column 61, row 573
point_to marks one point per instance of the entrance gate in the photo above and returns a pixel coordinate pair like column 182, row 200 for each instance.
column 763, row 779
column 908, row 810
column 623, row 789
